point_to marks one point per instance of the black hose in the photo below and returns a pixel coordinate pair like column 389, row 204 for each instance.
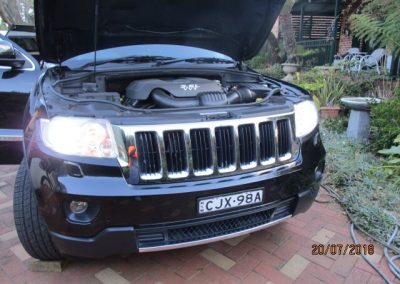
column 164, row 100
column 241, row 95
column 238, row 95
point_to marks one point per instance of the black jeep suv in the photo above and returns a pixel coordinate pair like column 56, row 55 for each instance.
column 150, row 133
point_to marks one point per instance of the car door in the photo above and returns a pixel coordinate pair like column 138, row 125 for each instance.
column 18, row 74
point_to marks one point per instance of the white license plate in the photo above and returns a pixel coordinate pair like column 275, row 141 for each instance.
column 225, row 202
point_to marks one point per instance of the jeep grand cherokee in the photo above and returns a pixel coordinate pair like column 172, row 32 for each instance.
column 151, row 133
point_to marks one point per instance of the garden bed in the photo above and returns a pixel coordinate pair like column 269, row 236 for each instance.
column 367, row 191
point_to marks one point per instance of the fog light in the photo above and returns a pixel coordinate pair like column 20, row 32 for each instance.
column 78, row 207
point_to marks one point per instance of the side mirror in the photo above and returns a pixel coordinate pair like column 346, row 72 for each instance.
column 8, row 56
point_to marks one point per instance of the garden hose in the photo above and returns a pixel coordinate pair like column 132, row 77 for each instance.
column 380, row 272
column 393, row 267
column 387, row 245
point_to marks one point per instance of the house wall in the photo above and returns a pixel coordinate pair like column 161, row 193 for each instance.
column 345, row 43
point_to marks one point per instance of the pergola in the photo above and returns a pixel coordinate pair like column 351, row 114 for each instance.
column 317, row 25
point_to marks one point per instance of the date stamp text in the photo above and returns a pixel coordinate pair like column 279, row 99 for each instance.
column 343, row 249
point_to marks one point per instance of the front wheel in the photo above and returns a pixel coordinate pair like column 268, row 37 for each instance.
column 31, row 228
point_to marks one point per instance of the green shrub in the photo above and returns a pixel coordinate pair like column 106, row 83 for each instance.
column 325, row 86
column 259, row 61
column 385, row 124
column 336, row 125
column 274, row 71
column 311, row 80
column 392, row 164
column 364, row 186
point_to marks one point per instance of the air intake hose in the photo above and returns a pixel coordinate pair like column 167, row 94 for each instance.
column 237, row 95
column 164, row 100
column 241, row 95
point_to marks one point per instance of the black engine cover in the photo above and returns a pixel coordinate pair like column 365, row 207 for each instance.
column 180, row 88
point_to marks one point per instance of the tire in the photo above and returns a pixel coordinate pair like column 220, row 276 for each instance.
column 31, row 228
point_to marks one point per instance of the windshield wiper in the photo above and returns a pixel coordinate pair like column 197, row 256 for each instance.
column 129, row 59
column 210, row 60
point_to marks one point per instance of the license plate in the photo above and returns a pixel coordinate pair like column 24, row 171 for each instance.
column 229, row 201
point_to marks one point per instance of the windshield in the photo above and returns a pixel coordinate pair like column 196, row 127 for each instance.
column 165, row 50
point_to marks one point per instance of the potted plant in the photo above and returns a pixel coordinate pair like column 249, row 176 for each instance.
column 327, row 97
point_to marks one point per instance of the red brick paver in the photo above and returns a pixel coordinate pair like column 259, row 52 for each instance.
column 281, row 254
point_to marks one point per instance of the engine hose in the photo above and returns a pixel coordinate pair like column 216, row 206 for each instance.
column 241, row 95
column 237, row 95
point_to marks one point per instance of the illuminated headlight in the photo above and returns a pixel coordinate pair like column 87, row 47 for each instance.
column 306, row 118
column 79, row 136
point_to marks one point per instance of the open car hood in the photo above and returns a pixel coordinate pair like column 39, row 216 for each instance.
column 237, row 28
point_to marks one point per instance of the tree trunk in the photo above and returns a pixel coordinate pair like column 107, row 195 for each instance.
column 286, row 29
column 17, row 12
column 289, row 39
column 273, row 45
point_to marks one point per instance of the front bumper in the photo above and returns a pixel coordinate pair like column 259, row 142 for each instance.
column 162, row 238
column 125, row 219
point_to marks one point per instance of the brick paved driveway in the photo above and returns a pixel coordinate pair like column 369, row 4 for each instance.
column 281, row 254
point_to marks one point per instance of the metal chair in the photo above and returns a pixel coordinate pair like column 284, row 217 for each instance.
column 371, row 61
column 344, row 62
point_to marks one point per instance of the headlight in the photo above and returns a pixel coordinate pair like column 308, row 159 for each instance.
column 79, row 136
column 306, row 118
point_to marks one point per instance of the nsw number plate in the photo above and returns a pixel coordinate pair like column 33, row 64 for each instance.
column 224, row 202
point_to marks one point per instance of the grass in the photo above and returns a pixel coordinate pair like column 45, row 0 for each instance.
column 366, row 190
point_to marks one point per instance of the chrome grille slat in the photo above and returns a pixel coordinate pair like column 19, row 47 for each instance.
column 149, row 160
column 247, row 146
column 190, row 151
column 284, row 136
column 175, row 153
column 201, row 151
column 267, row 145
column 225, row 148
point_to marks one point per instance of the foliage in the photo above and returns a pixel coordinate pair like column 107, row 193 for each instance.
column 336, row 125
column 349, row 85
column 325, row 87
column 274, row 71
column 301, row 55
column 385, row 125
column 259, row 61
column 331, row 92
column 392, row 165
column 365, row 188
column 310, row 80
column 379, row 23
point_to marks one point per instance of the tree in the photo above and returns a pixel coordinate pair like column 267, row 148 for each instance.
column 286, row 29
column 17, row 12
column 378, row 23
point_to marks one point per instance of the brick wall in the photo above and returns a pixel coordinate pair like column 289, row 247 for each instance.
column 345, row 43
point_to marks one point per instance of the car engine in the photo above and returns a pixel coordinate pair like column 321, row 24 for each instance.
column 190, row 92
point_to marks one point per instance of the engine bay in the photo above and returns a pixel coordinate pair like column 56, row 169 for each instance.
column 169, row 92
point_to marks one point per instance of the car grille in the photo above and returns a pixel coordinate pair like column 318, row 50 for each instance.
column 193, row 151
column 149, row 237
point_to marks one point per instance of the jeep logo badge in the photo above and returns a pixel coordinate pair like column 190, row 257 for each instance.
column 189, row 87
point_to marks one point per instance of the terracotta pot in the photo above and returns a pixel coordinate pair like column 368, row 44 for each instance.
column 329, row 112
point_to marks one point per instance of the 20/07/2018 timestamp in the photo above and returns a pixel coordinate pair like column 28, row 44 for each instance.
column 341, row 249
